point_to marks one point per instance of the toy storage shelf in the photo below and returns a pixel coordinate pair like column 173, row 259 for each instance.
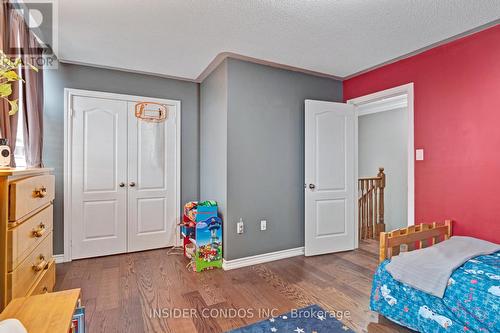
column 202, row 240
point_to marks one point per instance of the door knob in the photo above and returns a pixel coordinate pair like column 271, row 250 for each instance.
column 312, row 186
column 131, row 184
column 122, row 184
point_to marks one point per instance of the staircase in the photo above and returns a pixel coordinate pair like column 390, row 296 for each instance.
column 371, row 205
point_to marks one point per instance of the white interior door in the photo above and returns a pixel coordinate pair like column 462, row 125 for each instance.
column 99, row 165
column 152, row 183
column 329, row 177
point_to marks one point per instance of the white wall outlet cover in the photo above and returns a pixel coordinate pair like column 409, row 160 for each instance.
column 419, row 154
column 263, row 225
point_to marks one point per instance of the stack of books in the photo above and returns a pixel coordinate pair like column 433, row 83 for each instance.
column 78, row 323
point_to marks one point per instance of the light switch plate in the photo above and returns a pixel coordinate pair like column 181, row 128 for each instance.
column 240, row 227
column 419, row 154
column 263, row 225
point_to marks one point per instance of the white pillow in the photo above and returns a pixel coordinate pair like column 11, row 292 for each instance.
column 12, row 326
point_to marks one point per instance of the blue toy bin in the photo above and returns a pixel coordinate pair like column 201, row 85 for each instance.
column 203, row 213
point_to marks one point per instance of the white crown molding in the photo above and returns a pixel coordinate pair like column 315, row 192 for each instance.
column 262, row 258
column 231, row 55
column 133, row 71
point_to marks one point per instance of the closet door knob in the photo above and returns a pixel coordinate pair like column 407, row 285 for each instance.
column 312, row 186
column 122, row 184
column 131, row 184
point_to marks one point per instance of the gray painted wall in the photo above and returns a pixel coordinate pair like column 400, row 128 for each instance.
column 83, row 77
column 213, row 138
column 265, row 154
column 383, row 142
column 252, row 143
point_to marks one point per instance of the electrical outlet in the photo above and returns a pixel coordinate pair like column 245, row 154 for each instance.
column 263, row 225
column 240, row 227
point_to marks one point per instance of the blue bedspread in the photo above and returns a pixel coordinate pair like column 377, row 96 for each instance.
column 471, row 302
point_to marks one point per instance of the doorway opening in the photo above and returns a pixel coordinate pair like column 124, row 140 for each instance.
column 385, row 151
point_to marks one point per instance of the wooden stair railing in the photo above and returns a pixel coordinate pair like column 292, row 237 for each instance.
column 371, row 206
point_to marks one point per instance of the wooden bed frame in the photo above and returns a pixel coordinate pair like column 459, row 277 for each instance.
column 413, row 237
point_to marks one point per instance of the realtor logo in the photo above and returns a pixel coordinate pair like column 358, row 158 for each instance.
column 41, row 18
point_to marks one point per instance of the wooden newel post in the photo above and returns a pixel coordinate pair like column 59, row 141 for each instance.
column 381, row 225
column 381, row 175
column 371, row 205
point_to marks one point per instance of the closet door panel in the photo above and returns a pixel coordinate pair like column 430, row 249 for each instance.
column 99, row 165
column 151, row 188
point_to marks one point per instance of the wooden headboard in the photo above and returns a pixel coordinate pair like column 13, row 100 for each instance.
column 413, row 237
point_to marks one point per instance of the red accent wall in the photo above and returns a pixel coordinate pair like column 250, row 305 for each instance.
column 457, row 123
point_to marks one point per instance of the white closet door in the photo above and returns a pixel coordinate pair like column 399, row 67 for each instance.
column 99, row 165
column 151, row 182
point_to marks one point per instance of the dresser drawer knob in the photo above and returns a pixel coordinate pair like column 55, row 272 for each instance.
column 43, row 264
column 38, row 232
column 40, row 192
column 45, row 290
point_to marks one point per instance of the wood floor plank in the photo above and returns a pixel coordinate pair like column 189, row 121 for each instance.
column 127, row 293
column 90, row 278
column 227, row 316
column 105, row 321
column 149, row 296
column 109, row 289
column 129, row 321
column 209, row 289
column 202, row 321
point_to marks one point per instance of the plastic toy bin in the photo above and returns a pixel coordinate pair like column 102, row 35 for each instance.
column 204, row 213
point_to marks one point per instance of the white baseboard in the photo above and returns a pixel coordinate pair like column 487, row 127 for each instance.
column 261, row 258
column 241, row 262
column 59, row 258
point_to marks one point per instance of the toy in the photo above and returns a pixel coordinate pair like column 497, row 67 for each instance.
column 202, row 239
column 200, row 211
column 208, row 244
column 190, row 250
column 151, row 111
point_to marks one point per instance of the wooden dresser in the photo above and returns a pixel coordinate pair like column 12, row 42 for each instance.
column 26, row 218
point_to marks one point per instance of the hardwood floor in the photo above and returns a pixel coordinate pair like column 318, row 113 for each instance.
column 145, row 291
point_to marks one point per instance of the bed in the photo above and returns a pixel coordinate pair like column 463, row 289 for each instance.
column 471, row 300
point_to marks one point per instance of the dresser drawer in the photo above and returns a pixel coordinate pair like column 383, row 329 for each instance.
column 25, row 237
column 26, row 274
column 29, row 194
column 46, row 282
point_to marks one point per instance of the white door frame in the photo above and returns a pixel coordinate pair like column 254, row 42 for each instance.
column 397, row 96
column 68, row 134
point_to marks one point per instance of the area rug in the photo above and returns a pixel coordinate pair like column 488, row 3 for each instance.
column 311, row 319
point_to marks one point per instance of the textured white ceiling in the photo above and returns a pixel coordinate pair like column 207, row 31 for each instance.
column 181, row 37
